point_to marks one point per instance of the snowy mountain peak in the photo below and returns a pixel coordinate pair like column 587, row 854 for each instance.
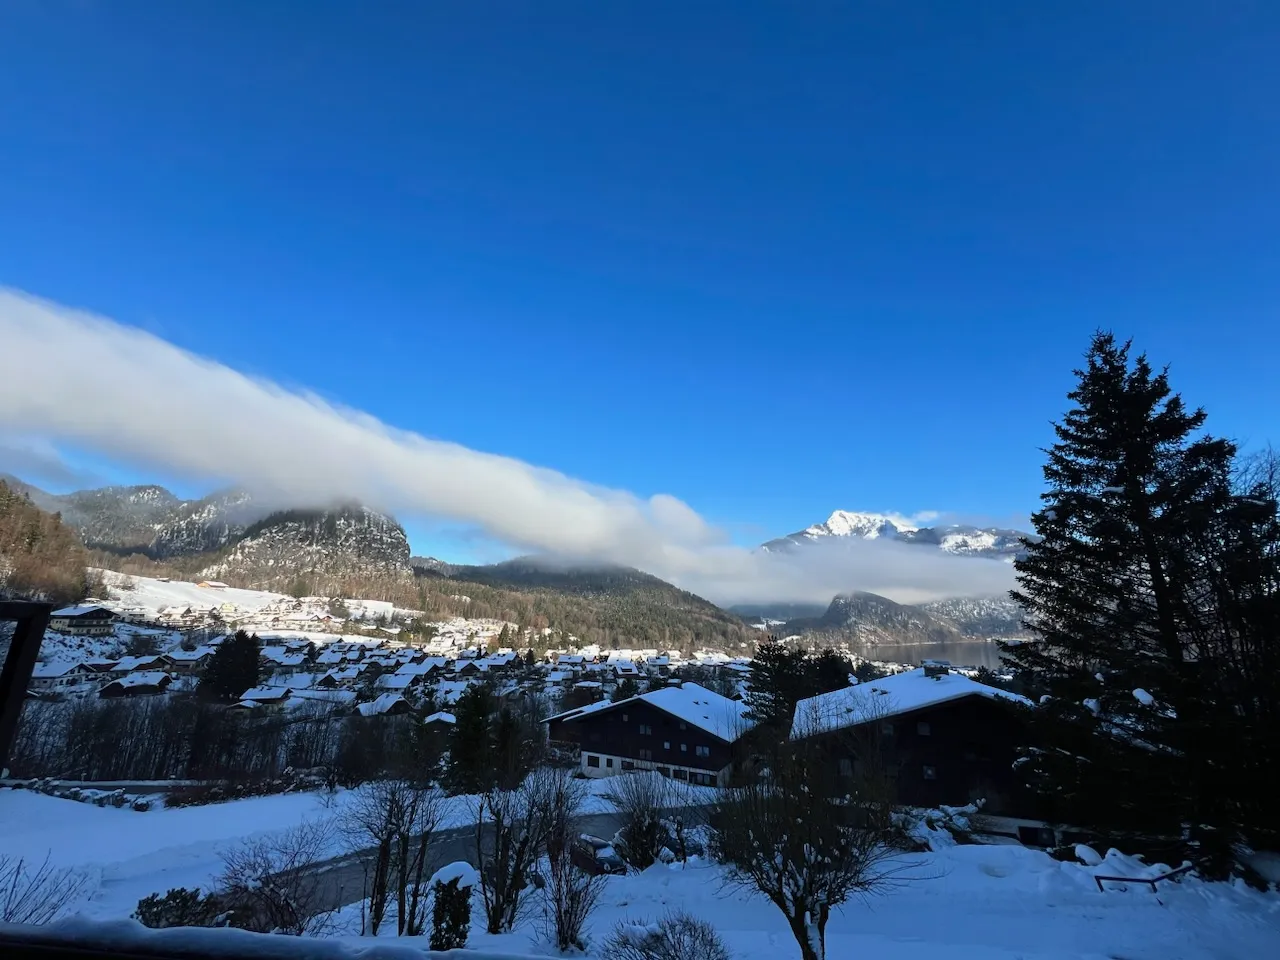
column 867, row 526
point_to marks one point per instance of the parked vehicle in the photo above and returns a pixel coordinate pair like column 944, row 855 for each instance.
column 596, row 856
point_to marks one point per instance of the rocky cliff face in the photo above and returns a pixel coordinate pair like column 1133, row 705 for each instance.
column 249, row 541
column 347, row 542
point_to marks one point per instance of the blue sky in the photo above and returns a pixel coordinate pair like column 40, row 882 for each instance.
column 773, row 259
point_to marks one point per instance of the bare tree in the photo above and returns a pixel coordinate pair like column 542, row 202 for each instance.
column 571, row 892
column 641, row 799
column 812, row 832
column 511, row 831
column 393, row 821
column 272, row 883
column 423, row 808
column 39, row 895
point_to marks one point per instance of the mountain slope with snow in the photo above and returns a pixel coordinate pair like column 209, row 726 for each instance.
column 957, row 539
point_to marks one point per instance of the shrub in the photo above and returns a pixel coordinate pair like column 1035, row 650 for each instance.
column 180, row 907
column 450, row 915
column 39, row 895
column 677, row 936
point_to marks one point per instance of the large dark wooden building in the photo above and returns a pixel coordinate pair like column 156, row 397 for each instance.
column 946, row 738
column 685, row 732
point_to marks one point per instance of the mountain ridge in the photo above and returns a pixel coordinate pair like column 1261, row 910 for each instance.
column 963, row 540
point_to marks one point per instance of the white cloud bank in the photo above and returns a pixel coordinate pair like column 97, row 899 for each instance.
column 72, row 377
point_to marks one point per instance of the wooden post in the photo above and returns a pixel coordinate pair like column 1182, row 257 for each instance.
column 30, row 621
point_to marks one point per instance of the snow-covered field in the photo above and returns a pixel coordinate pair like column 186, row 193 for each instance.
column 157, row 594
column 960, row 903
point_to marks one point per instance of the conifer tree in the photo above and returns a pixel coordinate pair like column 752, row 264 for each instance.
column 1120, row 591
column 235, row 667
column 471, row 767
column 776, row 682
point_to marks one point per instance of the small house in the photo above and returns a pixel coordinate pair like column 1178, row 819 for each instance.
column 83, row 621
column 684, row 732
column 140, row 684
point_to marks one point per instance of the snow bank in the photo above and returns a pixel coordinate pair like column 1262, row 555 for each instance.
column 125, row 936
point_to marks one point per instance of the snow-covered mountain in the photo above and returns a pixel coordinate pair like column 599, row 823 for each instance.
column 959, row 539
column 243, row 537
column 342, row 542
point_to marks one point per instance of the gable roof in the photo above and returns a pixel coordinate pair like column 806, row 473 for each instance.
column 383, row 704
column 80, row 610
column 694, row 704
column 890, row 696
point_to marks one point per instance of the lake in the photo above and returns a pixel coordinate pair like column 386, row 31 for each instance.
column 961, row 653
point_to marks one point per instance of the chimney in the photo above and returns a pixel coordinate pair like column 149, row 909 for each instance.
column 937, row 669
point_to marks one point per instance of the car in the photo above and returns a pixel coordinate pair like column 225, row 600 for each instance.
column 596, row 856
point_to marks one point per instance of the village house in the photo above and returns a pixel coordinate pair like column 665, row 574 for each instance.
column 188, row 662
column 144, row 683
column 948, row 739
column 388, row 704
column 265, row 698
column 685, row 732
column 134, row 664
column 62, row 677
column 83, row 621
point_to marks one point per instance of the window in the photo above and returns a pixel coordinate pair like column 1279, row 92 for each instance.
column 593, row 760
column 702, row 751
column 682, row 725
column 886, row 730
column 646, row 729
column 679, row 774
column 608, row 762
column 628, row 765
column 922, row 728
column 624, row 718
column 684, row 748
column 666, row 744
column 930, row 773
column 594, row 736
column 646, row 754
column 846, row 767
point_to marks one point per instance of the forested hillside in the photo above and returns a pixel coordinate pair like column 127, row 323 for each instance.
column 40, row 557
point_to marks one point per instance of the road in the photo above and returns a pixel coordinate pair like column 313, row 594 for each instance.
column 345, row 876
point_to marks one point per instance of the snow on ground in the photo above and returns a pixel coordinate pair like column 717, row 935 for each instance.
column 958, row 903
column 129, row 855
column 962, row 903
column 156, row 594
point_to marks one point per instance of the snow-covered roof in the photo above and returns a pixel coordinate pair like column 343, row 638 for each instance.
column 79, row 610
column 269, row 694
column 877, row 699
column 692, row 703
column 130, row 664
column 189, row 656
column 145, row 678
column 382, row 704
column 395, row 681
column 49, row 671
column 441, row 716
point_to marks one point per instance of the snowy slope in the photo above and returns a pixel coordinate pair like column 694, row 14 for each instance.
column 155, row 595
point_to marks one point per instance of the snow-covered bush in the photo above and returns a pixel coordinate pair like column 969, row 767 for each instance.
column 919, row 829
column 677, row 936
column 180, row 907
column 271, row 884
column 451, row 889
column 640, row 798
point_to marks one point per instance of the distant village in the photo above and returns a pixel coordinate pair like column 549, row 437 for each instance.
column 366, row 655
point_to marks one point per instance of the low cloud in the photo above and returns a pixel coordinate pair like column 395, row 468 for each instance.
column 80, row 379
